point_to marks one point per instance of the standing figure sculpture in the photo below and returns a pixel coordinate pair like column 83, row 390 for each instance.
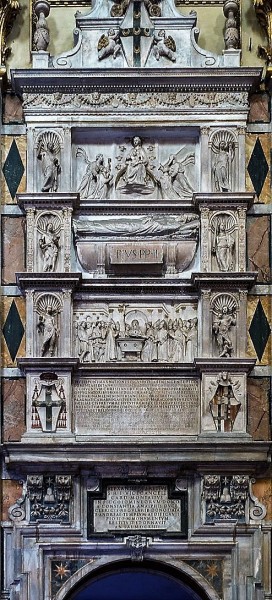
column 47, row 327
column 49, row 245
column 223, row 151
column 48, row 149
column 223, row 246
column 221, row 326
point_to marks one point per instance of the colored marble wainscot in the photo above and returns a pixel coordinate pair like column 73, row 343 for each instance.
column 259, row 110
column 258, row 407
column 13, row 248
column 13, row 176
column 259, row 321
column 13, row 328
column 262, row 489
column 258, row 166
column 13, row 401
column 13, row 109
column 11, row 491
column 258, row 246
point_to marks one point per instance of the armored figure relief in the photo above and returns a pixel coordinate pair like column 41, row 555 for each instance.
column 223, row 151
column 109, row 44
column 47, row 327
column 223, row 244
column 97, row 179
column 135, row 175
column 47, row 153
column 134, row 338
column 224, row 318
column 173, row 179
column 164, row 46
column 49, row 242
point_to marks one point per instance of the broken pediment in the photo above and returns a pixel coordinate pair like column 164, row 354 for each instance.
column 139, row 33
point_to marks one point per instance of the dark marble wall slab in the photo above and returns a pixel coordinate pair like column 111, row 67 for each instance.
column 13, row 248
column 259, row 246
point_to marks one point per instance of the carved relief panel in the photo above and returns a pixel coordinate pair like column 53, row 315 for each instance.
column 223, row 240
column 48, row 403
column 223, row 401
column 230, row 498
column 49, row 240
column 223, row 324
column 149, row 243
column 136, row 332
column 154, row 165
column 46, row 157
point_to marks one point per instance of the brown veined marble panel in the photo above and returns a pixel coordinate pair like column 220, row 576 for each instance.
column 13, row 109
column 251, row 308
column 13, row 248
column 6, row 303
column 11, row 491
column 13, row 400
column 6, row 143
column 259, row 108
column 262, row 489
column 258, row 246
column 265, row 140
column 258, row 408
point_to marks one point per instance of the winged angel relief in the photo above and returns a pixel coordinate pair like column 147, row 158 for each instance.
column 137, row 173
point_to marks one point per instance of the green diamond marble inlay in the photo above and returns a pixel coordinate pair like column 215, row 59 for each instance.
column 13, row 169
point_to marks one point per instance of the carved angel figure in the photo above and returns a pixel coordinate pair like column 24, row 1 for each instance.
column 109, row 44
column 47, row 153
column 173, row 179
column 97, row 178
column 49, row 245
column 164, row 46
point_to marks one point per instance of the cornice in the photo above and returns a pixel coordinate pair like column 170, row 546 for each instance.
column 230, row 281
column 48, row 200
column 216, row 365
column 112, row 80
column 47, row 364
column 47, row 281
column 224, row 200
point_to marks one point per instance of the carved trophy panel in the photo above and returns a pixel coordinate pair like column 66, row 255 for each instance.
column 151, row 166
column 136, row 332
column 145, row 244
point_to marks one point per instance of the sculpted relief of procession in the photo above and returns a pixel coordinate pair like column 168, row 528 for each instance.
column 135, row 170
column 136, row 335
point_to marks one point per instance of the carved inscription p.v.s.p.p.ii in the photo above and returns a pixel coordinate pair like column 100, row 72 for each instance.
column 136, row 406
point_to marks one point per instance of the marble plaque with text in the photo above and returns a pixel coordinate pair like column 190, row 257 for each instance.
column 140, row 406
column 135, row 253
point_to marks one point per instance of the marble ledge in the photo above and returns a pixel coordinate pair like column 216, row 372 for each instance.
column 13, row 129
column 230, row 281
column 217, row 453
column 53, row 363
column 10, row 290
column 259, row 208
column 47, row 281
column 48, row 200
column 215, row 365
column 11, row 210
column 224, row 200
column 261, row 289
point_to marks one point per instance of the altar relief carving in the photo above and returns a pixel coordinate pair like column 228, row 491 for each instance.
column 139, row 168
column 140, row 334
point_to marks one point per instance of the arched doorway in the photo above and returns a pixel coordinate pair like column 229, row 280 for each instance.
column 145, row 581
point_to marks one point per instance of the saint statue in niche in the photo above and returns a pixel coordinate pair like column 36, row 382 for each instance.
column 223, row 155
column 49, row 245
column 223, row 242
column 97, row 179
column 47, row 327
column 136, row 176
column 47, row 153
column 224, row 320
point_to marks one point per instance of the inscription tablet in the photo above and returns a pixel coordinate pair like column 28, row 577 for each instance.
column 136, row 406
column 126, row 507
